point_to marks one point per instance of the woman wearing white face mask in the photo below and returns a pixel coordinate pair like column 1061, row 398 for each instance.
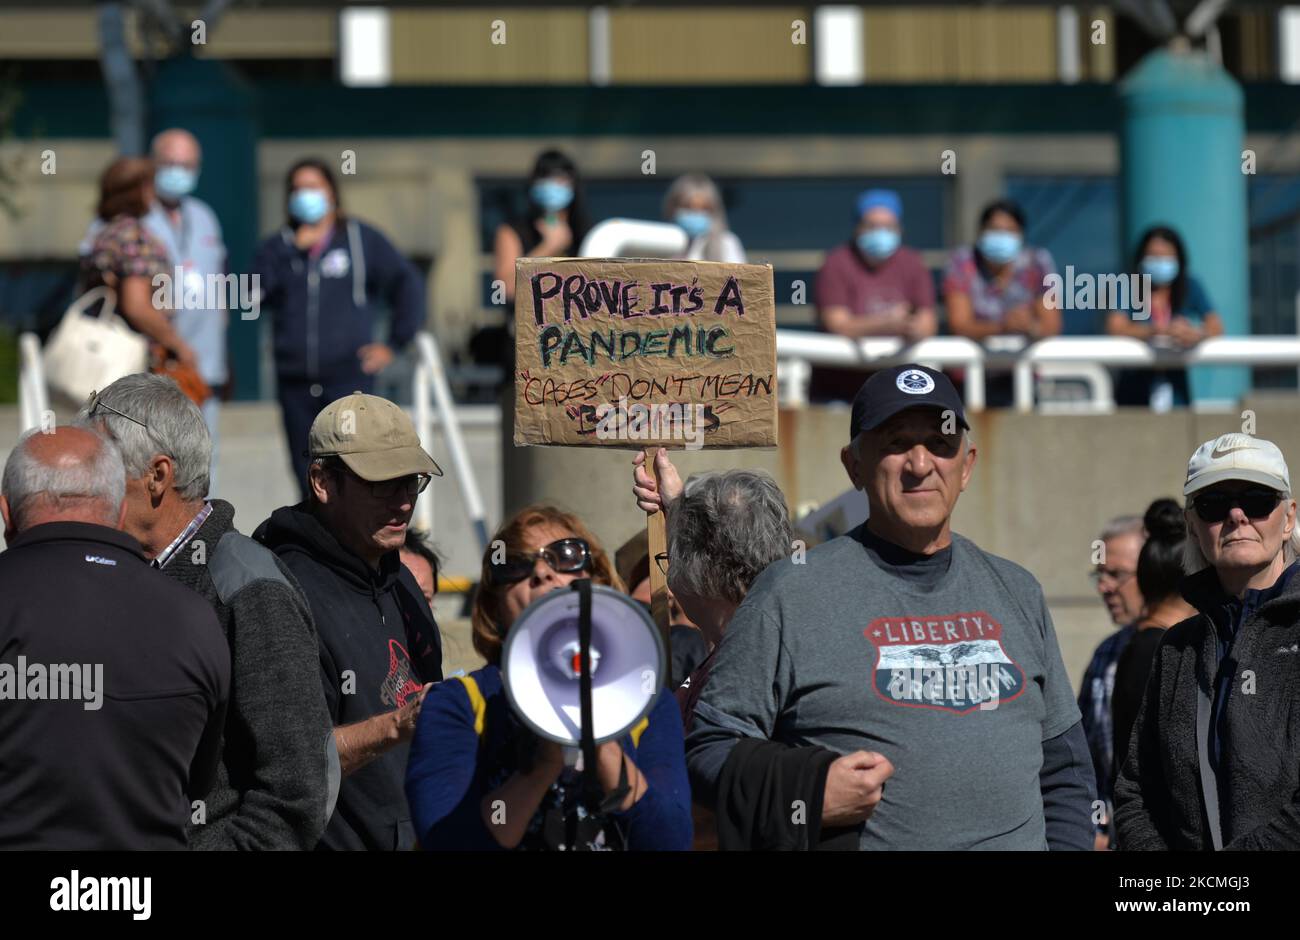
column 1178, row 312
column 694, row 203
column 323, row 275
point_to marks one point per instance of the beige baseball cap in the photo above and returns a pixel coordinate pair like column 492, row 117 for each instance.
column 1237, row 457
column 372, row 435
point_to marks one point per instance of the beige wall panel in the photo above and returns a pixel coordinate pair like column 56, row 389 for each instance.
column 960, row 44
column 455, row 46
column 685, row 46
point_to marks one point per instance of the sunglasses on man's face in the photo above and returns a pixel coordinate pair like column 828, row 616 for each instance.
column 1256, row 503
column 565, row 556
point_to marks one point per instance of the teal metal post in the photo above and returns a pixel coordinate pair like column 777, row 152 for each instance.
column 1181, row 164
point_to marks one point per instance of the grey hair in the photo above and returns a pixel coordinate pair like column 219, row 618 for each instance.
column 173, row 426
column 1122, row 525
column 99, row 478
column 692, row 184
column 1194, row 559
column 723, row 531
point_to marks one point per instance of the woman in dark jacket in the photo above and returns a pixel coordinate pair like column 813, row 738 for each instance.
column 1214, row 759
column 1159, row 574
column 323, row 274
column 478, row 779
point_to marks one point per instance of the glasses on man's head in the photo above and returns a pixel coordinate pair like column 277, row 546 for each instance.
column 1257, row 502
column 95, row 405
column 565, row 556
column 1112, row 576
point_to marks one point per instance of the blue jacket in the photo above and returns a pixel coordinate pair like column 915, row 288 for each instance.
column 463, row 750
column 324, row 307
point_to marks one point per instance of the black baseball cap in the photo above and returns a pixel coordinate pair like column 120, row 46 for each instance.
column 892, row 390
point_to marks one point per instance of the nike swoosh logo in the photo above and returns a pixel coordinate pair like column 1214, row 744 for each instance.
column 1219, row 452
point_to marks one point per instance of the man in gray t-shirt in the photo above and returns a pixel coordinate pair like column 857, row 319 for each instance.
column 905, row 648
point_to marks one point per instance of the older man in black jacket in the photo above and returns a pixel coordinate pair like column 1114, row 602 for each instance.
column 1214, row 759
column 279, row 772
column 113, row 680
column 379, row 645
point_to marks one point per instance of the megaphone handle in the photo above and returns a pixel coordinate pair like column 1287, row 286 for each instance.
column 590, row 785
column 657, row 537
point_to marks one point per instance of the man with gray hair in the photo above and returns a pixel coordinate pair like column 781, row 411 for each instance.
column 929, row 664
column 1114, row 576
column 113, row 680
column 279, row 773
column 724, row 529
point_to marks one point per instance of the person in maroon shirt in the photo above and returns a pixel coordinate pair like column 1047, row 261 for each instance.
column 872, row 285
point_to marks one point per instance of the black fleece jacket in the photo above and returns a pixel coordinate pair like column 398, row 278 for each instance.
column 1170, row 794
column 378, row 645
column 272, row 785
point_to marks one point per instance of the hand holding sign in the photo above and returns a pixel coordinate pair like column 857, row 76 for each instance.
column 652, row 495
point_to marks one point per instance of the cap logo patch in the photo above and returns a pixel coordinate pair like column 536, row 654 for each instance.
column 915, row 382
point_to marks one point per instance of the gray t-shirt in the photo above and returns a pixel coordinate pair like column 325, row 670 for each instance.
column 957, row 679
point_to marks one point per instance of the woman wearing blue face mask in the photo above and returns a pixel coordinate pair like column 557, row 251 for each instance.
column 694, row 203
column 323, row 276
column 1178, row 313
column 554, row 224
column 996, row 286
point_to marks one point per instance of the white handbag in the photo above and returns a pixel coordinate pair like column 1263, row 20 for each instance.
column 85, row 354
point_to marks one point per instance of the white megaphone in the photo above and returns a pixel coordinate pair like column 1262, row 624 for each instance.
column 541, row 665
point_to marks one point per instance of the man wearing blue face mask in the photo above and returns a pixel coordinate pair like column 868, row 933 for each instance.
column 189, row 231
column 872, row 285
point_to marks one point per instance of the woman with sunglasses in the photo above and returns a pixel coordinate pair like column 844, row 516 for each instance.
column 1214, row 758
column 478, row 779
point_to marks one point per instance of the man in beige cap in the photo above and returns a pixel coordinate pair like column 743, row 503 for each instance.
column 1214, row 758
column 379, row 644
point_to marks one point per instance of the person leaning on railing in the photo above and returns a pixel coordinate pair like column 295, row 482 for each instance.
column 1177, row 313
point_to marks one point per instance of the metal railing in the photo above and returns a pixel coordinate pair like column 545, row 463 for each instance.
column 33, row 396
column 431, row 379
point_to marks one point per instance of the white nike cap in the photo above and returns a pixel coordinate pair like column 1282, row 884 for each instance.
column 1237, row 457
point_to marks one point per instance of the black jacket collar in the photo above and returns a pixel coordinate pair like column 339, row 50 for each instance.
column 78, row 532
column 1204, row 592
column 295, row 528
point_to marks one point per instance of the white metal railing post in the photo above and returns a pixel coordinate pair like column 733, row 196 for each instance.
column 424, row 427
column 33, row 397
column 1023, row 378
column 430, row 361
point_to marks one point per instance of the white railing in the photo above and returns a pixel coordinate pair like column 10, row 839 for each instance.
column 1077, row 357
column 634, row 238
column 33, row 397
column 797, row 352
column 431, row 379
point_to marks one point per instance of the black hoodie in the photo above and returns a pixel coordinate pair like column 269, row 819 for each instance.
column 378, row 645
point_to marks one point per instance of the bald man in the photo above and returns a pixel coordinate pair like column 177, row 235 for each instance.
column 192, row 234
column 188, row 228
column 113, row 678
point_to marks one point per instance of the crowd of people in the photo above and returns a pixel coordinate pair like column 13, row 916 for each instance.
column 170, row 682
column 326, row 277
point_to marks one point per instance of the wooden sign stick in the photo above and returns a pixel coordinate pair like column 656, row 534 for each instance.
column 657, row 540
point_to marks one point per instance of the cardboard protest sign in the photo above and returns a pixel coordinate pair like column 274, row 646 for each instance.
column 623, row 352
